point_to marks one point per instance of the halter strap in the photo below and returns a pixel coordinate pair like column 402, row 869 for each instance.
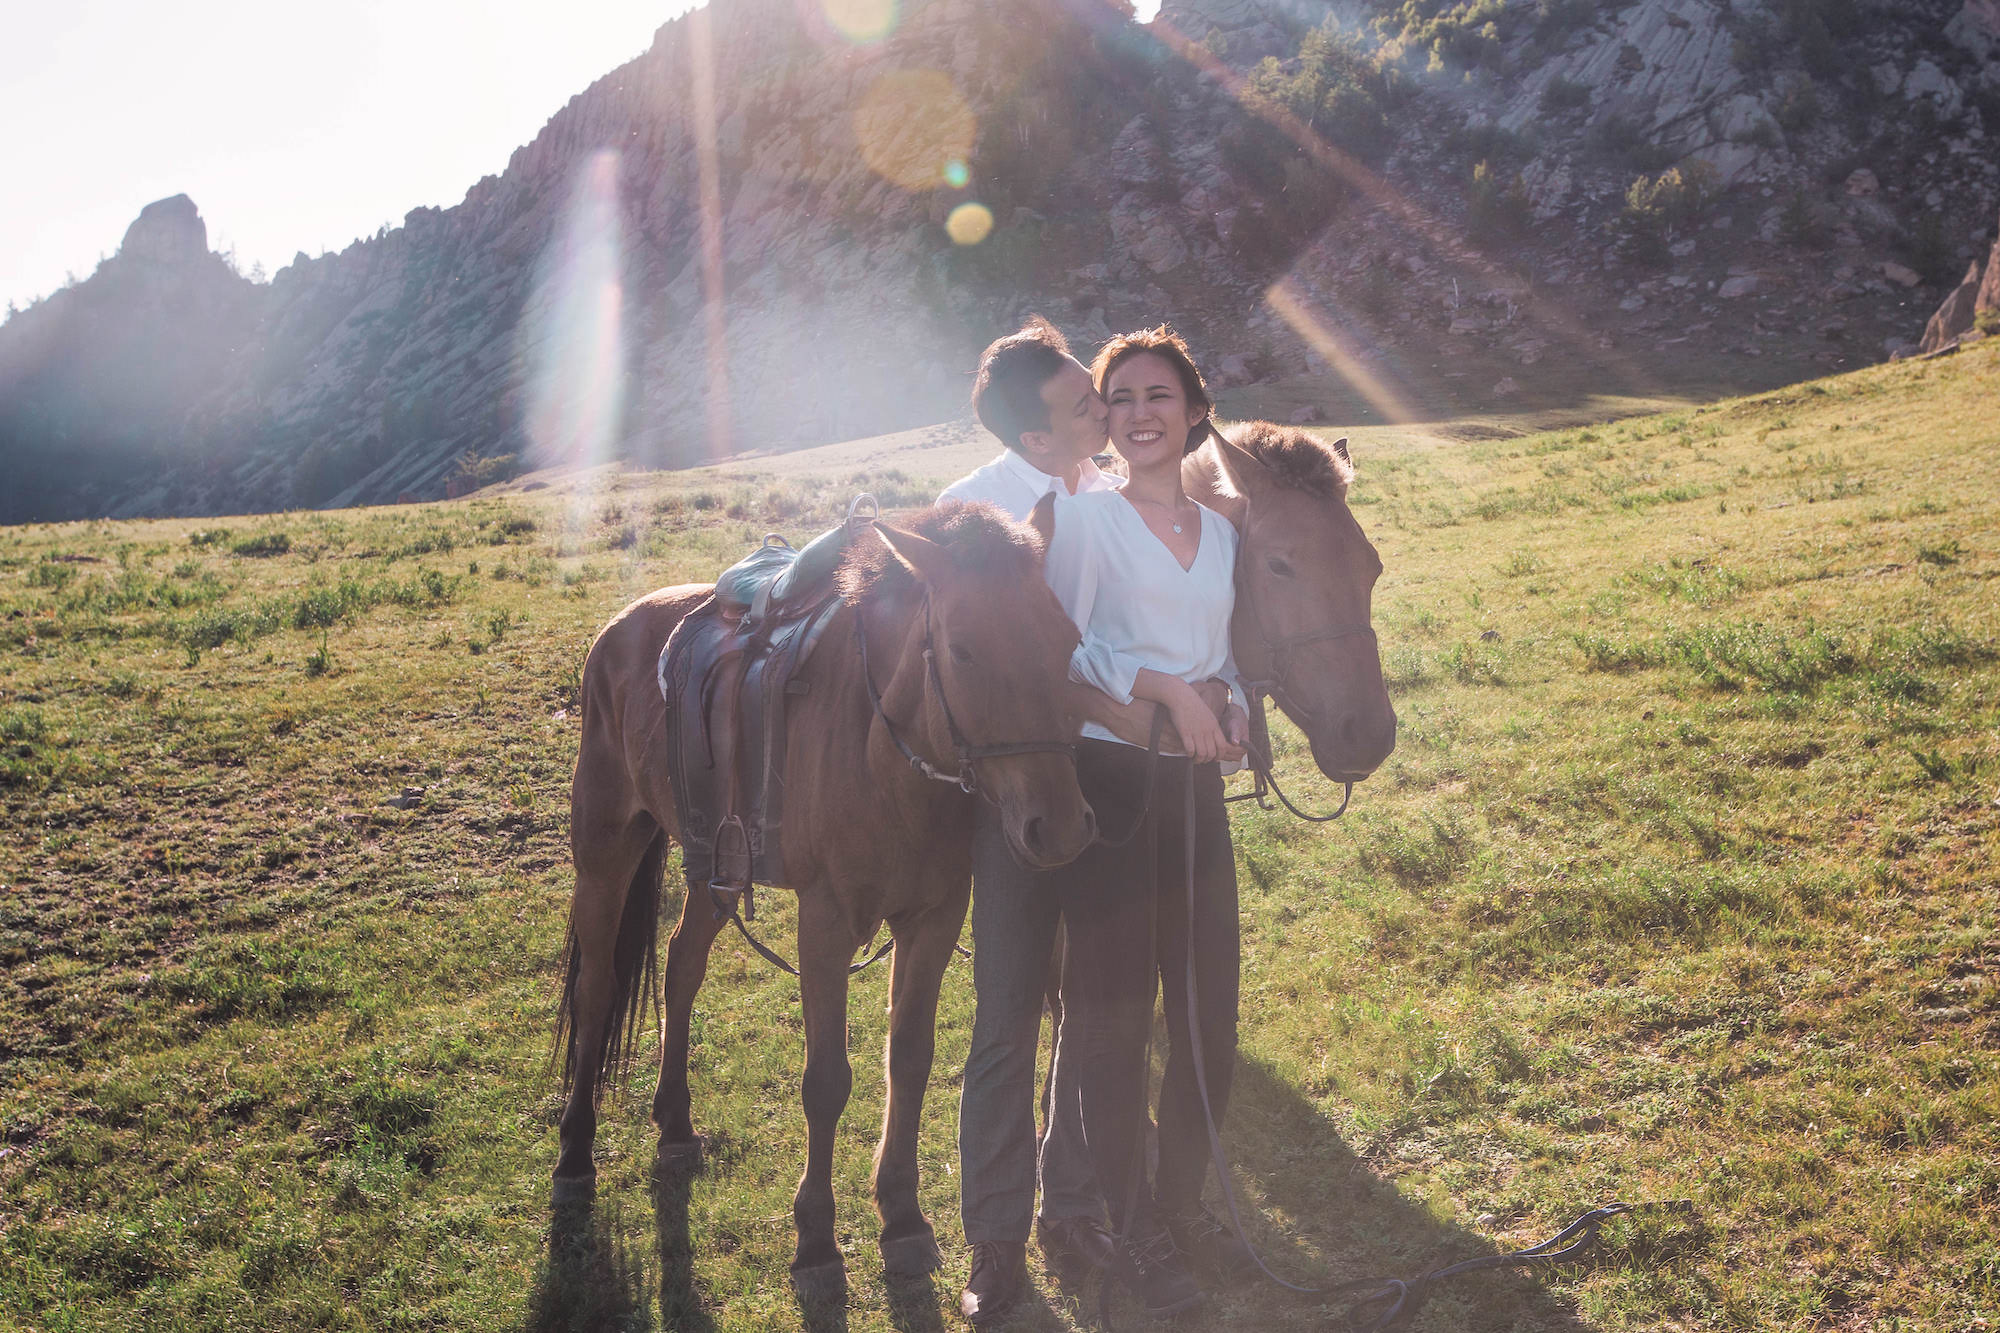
column 964, row 751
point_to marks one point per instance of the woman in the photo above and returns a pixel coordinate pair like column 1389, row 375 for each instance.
column 1148, row 575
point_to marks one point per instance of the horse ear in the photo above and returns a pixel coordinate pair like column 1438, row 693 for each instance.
column 920, row 555
column 1245, row 475
column 1339, row 446
column 1043, row 518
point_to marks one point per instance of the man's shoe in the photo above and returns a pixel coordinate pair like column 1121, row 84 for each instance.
column 999, row 1276
column 1076, row 1244
column 1208, row 1244
column 1154, row 1270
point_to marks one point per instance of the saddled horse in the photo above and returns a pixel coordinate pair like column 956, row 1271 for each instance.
column 866, row 838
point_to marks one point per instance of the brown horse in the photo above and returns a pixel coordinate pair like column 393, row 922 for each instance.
column 1305, row 582
column 867, row 839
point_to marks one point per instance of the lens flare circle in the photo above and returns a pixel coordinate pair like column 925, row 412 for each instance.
column 861, row 20
column 912, row 125
column 956, row 174
column 969, row 224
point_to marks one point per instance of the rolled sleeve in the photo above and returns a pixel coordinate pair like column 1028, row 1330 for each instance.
column 1097, row 663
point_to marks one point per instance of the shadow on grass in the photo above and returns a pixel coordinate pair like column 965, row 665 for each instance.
column 1347, row 1225
column 913, row 1304
column 682, row 1305
column 590, row 1279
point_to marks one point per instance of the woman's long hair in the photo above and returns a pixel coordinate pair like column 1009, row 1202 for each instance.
column 1161, row 342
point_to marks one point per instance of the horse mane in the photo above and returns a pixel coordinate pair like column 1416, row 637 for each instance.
column 977, row 534
column 1298, row 461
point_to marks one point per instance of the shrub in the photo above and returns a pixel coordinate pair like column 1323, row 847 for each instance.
column 1800, row 109
column 264, row 544
column 1562, row 95
column 1493, row 209
column 1655, row 206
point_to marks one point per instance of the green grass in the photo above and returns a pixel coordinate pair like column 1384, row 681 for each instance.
column 1680, row 884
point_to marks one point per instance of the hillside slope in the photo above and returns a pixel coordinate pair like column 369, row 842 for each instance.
column 741, row 238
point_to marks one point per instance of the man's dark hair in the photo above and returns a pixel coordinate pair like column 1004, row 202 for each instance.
column 1007, row 395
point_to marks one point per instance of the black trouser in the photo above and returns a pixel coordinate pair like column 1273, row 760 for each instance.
column 1116, row 897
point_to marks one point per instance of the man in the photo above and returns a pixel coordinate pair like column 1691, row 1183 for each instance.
column 1038, row 400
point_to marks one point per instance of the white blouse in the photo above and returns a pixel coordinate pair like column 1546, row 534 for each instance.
column 1133, row 603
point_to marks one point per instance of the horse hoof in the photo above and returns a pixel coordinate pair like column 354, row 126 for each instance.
column 569, row 1191
column 911, row 1256
column 822, row 1284
column 679, row 1159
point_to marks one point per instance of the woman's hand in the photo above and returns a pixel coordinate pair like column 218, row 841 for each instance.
column 1202, row 737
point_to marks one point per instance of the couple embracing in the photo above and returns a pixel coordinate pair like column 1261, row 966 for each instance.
column 1148, row 576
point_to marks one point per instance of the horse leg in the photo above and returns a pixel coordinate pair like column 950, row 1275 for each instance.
column 826, row 947
column 687, row 968
column 611, row 863
column 923, row 950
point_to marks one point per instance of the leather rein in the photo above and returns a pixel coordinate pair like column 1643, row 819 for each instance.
column 1262, row 767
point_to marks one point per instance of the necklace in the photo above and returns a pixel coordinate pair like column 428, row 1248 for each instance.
column 1172, row 514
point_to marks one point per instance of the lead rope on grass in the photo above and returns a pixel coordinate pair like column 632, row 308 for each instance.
column 1396, row 1296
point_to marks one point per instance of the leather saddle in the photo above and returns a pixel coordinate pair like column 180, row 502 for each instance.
column 727, row 673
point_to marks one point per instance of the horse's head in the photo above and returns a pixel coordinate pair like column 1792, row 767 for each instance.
column 1000, row 646
column 1305, row 577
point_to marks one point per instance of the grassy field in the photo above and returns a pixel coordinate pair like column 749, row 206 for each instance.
column 1681, row 884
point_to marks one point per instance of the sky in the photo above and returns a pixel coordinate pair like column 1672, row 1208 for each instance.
column 292, row 127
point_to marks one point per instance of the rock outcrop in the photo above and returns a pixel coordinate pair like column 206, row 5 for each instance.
column 167, row 232
column 1954, row 317
column 1975, row 301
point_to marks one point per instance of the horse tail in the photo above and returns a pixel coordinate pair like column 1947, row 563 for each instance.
column 635, row 969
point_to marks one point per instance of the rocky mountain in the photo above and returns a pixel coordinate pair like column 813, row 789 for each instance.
column 769, row 230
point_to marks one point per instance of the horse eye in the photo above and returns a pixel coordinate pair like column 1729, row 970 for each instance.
column 961, row 654
column 1279, row 567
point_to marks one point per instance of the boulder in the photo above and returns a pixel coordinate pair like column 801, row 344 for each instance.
column 1927, row 80
column 1743, row 284
column 1975, row 29
column 1861, row 182
column 1308, row 414
column 1955, row 315
column 1900, row 274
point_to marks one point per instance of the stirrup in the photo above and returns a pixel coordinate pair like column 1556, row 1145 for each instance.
column 727, row 891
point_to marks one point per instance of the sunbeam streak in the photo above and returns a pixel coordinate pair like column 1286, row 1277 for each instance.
column 576, row 387
column 1340, row 353
column 1379, row 192
column 715, row 314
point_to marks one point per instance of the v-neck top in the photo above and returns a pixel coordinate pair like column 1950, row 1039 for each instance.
column 1133, row 603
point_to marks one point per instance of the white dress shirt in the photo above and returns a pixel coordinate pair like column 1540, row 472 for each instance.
column 1013, row 485
column 1133, row 603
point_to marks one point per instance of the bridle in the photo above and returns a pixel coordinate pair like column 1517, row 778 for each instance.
column 1277, row 653
column 967, row 754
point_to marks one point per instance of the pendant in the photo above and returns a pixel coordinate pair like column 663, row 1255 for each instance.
column 1177, row 527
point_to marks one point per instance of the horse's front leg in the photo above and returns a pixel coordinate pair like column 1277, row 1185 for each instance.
column 826, row 946
column 923, row 949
